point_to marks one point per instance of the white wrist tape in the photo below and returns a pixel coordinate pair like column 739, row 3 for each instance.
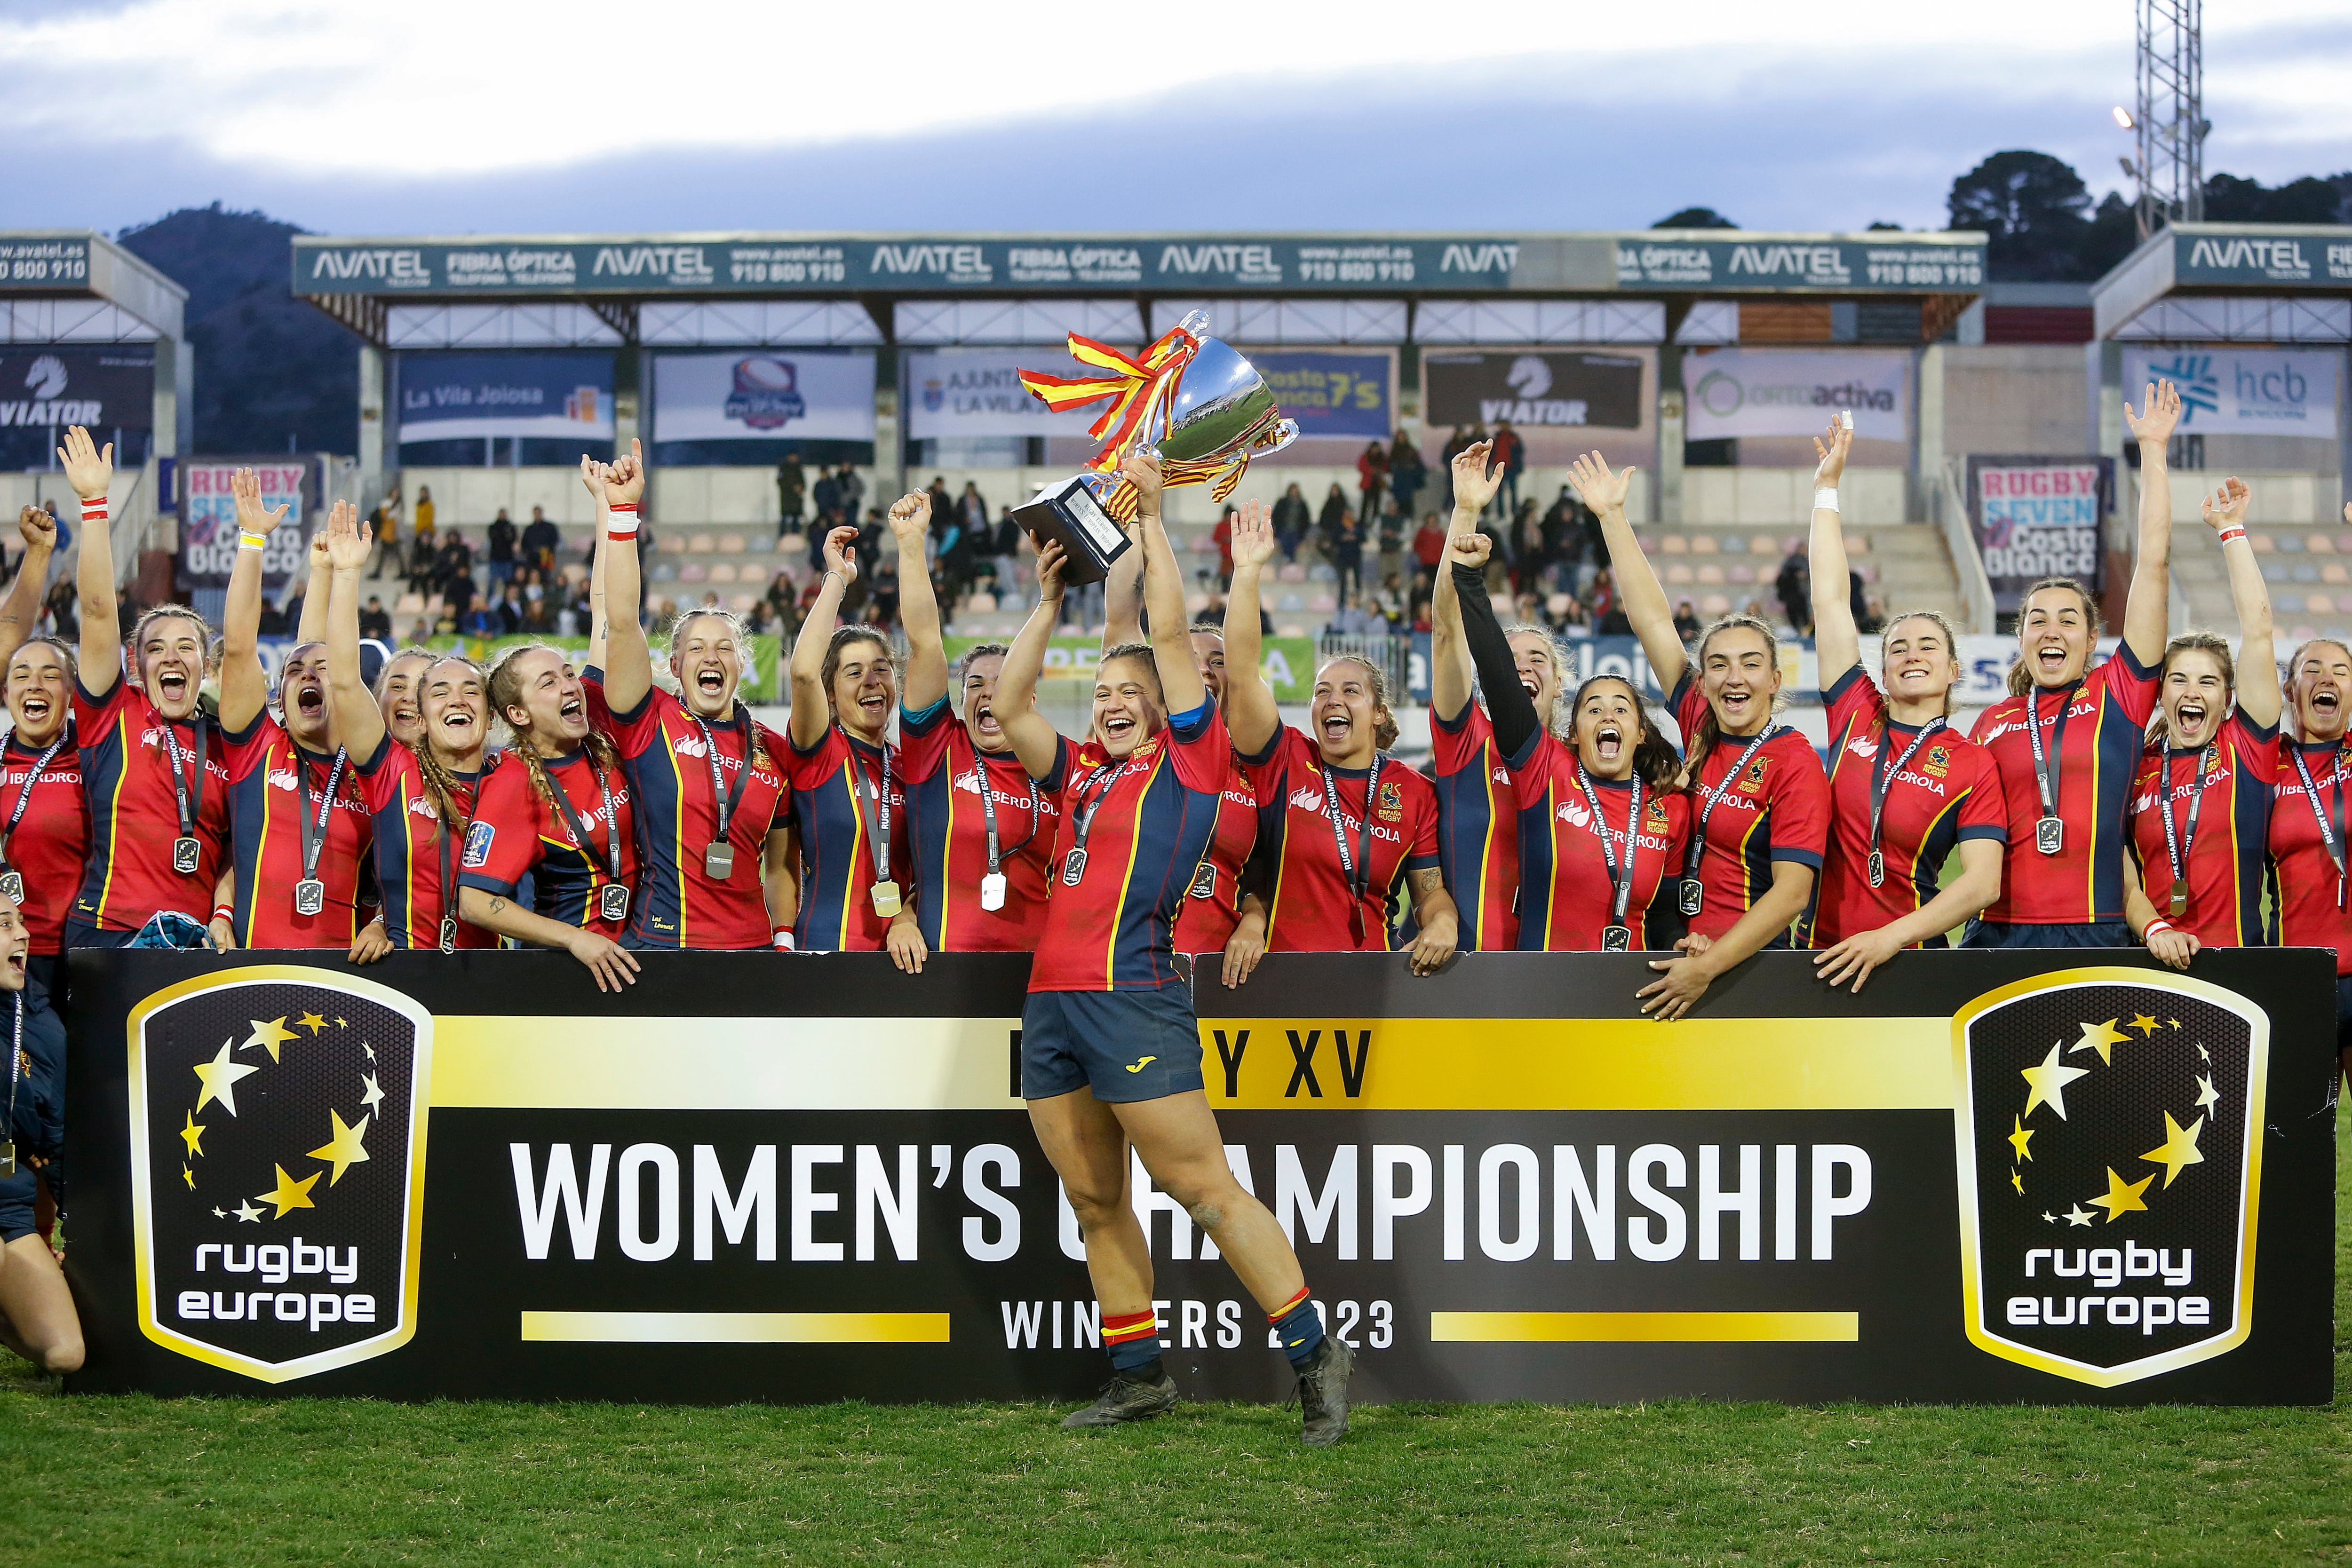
column 1825, row 499
column 621, row 524
column 93, row 509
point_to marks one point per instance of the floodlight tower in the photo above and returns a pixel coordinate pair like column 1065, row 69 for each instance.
column 2170, row 118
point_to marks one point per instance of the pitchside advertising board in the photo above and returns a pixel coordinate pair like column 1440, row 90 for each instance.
column 1999, row 1176
column 2039, row 517
column 1796, row 392
column 44, row 389
column 769, row 394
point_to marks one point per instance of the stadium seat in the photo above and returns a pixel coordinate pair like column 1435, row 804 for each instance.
column 663, row 571
column 1323, row 603
column 742, row 602
column 408, row 604
column 2343, row 543
column 723, row 572
column 981, row 602
column 693, row 572
column 2289, row 543
column 1761, row 544
column 1715, row 604
column 1739, row 573
column 730, row 544
column 1710, row 574
column 1195, row 602
column 1292, row 571
column 1673, row 544
column 1857, row 542
column 2318, row 543
column 574, row 573
column 1291, row 601
column 760, row 544
column 2264, row 544
column 2333, row 572
column 793, row 544
column 700, row 544
column 1706, row 544
column 2306, row 573
column 1558, row 605
column 1679, row 572
column 2273, row 572
column 1322, row 571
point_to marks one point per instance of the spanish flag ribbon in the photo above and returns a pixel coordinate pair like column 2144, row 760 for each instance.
column 1140, row 389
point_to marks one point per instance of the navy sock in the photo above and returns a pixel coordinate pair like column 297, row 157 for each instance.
column 1133, row 1342
column 1299, row 1327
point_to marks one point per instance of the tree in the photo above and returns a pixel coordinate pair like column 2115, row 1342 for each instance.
column 2310, row 200
column 1695, row 218
column 2113, row 234
column 2034, row 209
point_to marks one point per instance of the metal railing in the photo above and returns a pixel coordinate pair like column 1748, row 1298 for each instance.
column 1968, row 562
column 1390, row 655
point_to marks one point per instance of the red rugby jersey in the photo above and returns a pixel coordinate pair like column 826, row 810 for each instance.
column 1213, row 903
column 1309, row 908
column 679, row 904
column 1950, row 790
column 949, row 827
column 1115, row 930
column 2312, row 898
column 409, row 838
column 52, row 837
column 273, row 783
column 134, row 815
column 1477, row 833
column 1778, row 809
column 2106, row 721
column 1567, row 891
column 2226, row 857
column 517, row 829
column 833, row 811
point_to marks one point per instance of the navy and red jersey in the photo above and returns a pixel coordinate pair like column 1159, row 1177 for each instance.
column 1566, row 893
column 2312, row 898
column 1478, row 837
column 832, row 809
column 1950, row 790
column 134, row 814
column 2106, row 723
column 1777, row 809
column 2226, row 857
column 273, row 782
column 517, row 829
column 678, row 902
column 1308, row 909
column 948, row 826
column 1213, row 905
column 409, row 837
column 1150, row 819
column 52, row 837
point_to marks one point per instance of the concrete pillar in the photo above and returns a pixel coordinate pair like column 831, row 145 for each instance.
column 1927, row 442
column 371, row 423
column 167, row 411
column 1670, row 456
column 627, row 401
column 889, row 444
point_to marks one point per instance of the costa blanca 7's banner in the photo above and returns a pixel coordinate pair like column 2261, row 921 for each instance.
column 208, row 527
column 2039, row 517
column 1993, row 1176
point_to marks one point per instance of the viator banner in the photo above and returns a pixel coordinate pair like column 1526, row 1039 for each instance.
column 1997, row 1177
column 43, row 390
column 1794, row 392
column 2039, row 517
column 1532, row 389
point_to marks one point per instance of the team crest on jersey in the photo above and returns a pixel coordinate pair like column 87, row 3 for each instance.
column 1657, row 813
column 421, row 807
column 479, row 837
column 1939, row 761
column 281, row 778
column 1752, row 782
column 690, row 746
column 1392, row 801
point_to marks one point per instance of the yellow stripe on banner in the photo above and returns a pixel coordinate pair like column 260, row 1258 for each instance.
column 1634, row 1328
column 737, row 1327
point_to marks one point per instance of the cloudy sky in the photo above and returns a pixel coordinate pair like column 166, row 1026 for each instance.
column 485, row 116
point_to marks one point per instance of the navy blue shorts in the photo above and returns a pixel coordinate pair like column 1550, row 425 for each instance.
column 2027, row 934
column 17, row 1194
column 77, row 934
column 1125, row 1045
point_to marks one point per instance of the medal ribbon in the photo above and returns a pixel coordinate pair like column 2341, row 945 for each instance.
column 1356, row 868
column 24, row 794
column 988, row 811
column 1722, row 788
column 1620, row 881
column 2048, row 761
column 2331, row 832
column 1882, row 778
column 877, row 843
column 726, row 800
column 190, row 811
column 579, row 829
column 314, row 835
column 2177, row 846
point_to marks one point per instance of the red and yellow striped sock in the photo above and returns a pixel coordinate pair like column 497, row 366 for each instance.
column 1298, row 1326
column 1132, row 1339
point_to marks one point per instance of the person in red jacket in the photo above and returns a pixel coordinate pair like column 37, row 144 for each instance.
column 2201, row 801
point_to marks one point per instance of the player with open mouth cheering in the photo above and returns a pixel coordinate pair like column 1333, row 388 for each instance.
column 2308, row 844
column 44, row 819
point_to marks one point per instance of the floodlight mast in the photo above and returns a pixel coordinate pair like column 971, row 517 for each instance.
column 2169, row 113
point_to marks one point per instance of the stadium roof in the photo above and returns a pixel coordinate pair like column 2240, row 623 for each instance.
column 543, row 289
column 76, row 285
column 2225, row 282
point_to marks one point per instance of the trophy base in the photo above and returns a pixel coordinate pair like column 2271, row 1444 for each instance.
column 1072, row 514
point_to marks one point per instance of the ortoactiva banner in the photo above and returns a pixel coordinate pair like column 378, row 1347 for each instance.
column 1796, row 392
column 1992, row 1176
column 2039, row 517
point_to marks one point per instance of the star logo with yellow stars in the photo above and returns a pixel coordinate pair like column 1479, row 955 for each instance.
column 311, row 1021
column 343, row 1150
column 2144, row 1024
column 193, row 1135
column 2122, row 1197
column 373, row 1096
column 2020, row 1135
column 2102, row 1038
column 2205, row 1095
column 2079, row 1215
column 272, row 1034
column 2049, row 1081
column 290, row 1195
column 2179, row 1148
column 219, row 1077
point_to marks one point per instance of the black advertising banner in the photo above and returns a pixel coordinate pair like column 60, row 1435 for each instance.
column 2039, row 517
column 2040, row 1178
column 1533, row 389
column 44, row 388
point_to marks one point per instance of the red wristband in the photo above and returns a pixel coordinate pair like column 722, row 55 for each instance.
column 781, row 939
column 93, row 508
column 623, row 524
column 2155, row 925
column 2235, row 531
column 225, row 912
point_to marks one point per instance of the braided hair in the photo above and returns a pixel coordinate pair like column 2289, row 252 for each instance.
column 505, row 692
column 440, row 782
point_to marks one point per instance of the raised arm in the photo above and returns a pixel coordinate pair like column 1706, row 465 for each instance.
column 1837, row 645
column 312, row 626
column 2258, row 687
column 628, row 664
column 1123, row 601
column 810, row 712
column 1507, row 703
column 1638, row 589
column 22, row 612
column 1031, row 732
column 919, row 607
column 359, row 722
column 600, row 625
column 243, row 689
column 1163, row 591
column 2146, row 611
column 1449, row 656
column 89, row 470
column 1251, row 715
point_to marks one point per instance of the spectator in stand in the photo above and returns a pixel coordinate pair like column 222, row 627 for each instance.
column 1223, row 535
column 423, row 557
column 1429, row 550
column 792, row 490
column 881, row 608
column 827, row 496
column 1391, row 541
column 542, row 541
column 1874, row 620
column 943, row 515
column 1327, row 523
column 1526, row 544
column 1455, row 445
column 383, row 528
column 1291, row 521
column 1371, row 480
column 972, row 512
column 1347, row 542
column 1795, row 586
column 1687, row 624
column 482, row 620
column 1406, row 473
column 1858, row 604
column 511, row 618
column 1512, row 453
column 851, row 489
column 501, row 542
column 423, row 515
column 1607, row 615
column 452, row 575
column 783, row 598
column 374, row 621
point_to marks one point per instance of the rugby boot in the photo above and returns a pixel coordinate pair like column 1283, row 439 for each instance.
column 1323, row 1394
column 1126, row 1399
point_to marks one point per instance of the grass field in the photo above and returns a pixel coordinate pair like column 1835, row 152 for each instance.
column 129, row 1479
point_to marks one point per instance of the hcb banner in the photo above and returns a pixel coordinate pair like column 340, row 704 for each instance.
column 1999, row 1177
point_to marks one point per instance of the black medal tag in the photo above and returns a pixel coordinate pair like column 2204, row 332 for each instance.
column 613, row 902
column 1616, row 939
column 2049, row 835
column 719, row 862
column 13, row 884
column 1690, row 895
column 1204, row 882
column 187, row 854
column 8, row 1157
column 1878, row 868
column 448, row 934
column 1074, row 866
column 310, row 895
column 992, row 891
column 2180, row 900
column 885, row 899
